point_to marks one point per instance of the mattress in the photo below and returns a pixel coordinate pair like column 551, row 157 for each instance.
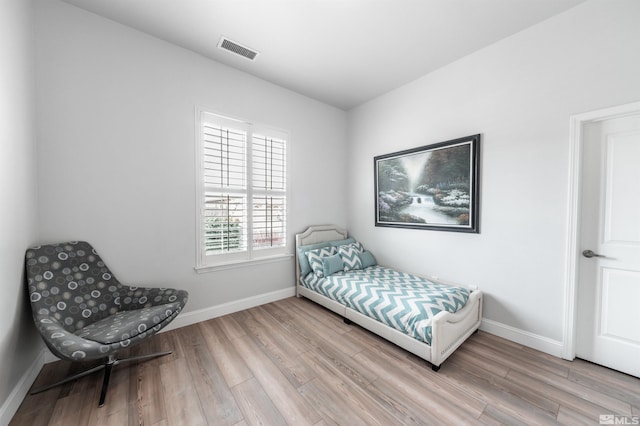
column 400, row 300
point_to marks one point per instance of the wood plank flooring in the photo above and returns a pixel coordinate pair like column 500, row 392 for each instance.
column 293, row 362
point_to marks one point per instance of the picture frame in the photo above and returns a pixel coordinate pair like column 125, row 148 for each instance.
column 433, row 187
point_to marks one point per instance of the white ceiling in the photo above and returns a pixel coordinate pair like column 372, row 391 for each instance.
column 341, row 52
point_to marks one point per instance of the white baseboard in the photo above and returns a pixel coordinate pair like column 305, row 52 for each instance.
column 12, row 403
column 49, row 356
column 205, row 314
column 535, row 341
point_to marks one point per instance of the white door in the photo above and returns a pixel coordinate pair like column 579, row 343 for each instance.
column 608, row 313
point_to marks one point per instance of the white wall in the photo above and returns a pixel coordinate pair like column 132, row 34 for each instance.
column 19, row 343
column 519, row 94
column 116, row 150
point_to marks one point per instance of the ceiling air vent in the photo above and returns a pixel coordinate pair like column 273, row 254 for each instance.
column 237, row 48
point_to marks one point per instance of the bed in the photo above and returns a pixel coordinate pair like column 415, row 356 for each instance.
column 425, row 316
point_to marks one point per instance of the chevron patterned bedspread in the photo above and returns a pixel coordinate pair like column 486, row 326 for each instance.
column 400, row 300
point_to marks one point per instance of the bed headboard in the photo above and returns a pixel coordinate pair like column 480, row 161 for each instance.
column 317, row 234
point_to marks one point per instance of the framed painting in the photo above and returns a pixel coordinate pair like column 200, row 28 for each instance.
column 430, row 187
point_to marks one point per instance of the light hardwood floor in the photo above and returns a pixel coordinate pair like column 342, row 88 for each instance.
column 292, row 362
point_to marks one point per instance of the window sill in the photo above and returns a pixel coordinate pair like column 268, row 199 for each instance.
column 242, row 263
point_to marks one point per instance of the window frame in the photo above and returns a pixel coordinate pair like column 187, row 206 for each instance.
column 252, row 255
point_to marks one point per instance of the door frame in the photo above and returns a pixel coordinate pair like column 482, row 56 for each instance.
column 576, row 135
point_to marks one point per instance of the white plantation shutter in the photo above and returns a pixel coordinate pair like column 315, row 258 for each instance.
column 269, row 191
column 269, row 158
column 225, row 200
column 243, row 191
column 224, row 156
column 225, row 223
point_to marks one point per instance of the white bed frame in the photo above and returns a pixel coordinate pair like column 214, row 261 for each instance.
column 448, row 330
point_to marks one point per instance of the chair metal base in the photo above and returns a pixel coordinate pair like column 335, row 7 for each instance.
column 111, row 362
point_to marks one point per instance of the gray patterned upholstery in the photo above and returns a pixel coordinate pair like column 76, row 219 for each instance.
column 83, row 312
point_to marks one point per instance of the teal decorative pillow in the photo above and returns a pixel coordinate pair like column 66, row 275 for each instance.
column 331, row 264
column 367, row 259
column 315, row 259
column 350, row 254
column 305, row 268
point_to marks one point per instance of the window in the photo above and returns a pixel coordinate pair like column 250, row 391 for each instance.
column 242, row 185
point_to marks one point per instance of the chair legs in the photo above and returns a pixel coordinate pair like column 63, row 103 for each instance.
column 105, row 381
column 67, row 380
column 108, row 365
